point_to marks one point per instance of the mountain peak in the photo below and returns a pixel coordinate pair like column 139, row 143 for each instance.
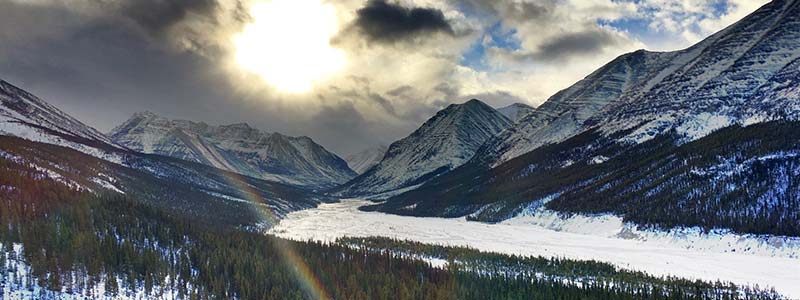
column 474, row 101
column 241, row 125
column 442, row 143
column 367, row 158
column 145, row 114
column 516, row 111
column 26, row 116
column 236, row 147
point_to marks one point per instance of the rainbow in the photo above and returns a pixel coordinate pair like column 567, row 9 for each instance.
column 308, row 280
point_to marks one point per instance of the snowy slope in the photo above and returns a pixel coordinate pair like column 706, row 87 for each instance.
column 25, row 115
column 237, row 147
column 737, row 76
column 654, row 137
column 37, row 137
column 744, row 74
column 565, row 113
column 362, row 161
column 442, row 143
column 516, row 111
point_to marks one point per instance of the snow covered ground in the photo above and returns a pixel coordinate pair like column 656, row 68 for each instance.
column 685, row 253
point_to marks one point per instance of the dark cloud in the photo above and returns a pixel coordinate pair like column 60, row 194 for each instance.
column 527, row 11
column 508, row 10
column 103, row 69
column 577, row 44
column 399, row 91
column 156, row 16
column 384, row 103
column 103, row 65
column 383, row 22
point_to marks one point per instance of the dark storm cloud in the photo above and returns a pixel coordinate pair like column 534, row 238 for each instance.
column 383, row 22
column 156, row 16
column 577, row 44
column 101, row 68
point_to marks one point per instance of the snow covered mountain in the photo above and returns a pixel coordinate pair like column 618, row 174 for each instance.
column 237, row 147
column 441, row 144
column 732, row 77
column 744, row 74
column 45, row 143
column 516, row 111
column 564, row 114
column 704, row 136
column 362, row 161
column 24, row 115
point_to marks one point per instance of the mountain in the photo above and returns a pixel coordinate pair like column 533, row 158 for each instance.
column 565, row 113
column 708, row 86
column 238, row 148
column 24, row 115
column 516, row 111
column 362, row 161
column 441, row 144
column 45, row 143
column 704, row 136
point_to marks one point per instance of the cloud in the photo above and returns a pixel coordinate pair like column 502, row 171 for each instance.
column 591, row 41
column 157, row 16
column 103, row 60
column 687, row 22
column 383, row 22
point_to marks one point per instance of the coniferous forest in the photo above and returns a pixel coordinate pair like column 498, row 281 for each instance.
column 75, row 241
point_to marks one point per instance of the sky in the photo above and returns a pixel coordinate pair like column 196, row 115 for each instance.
column 350, row 74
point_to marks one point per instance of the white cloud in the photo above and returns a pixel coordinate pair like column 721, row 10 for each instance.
column 689, row 21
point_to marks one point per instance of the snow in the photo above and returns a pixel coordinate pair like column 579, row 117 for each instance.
column 744, row 74
column 237, row 148
column 15, row 286
column 107, row 185
column 598, row 160
column 516, row 111
column 362, row 161
column 605, row 239
column 703, row 124
column 444, row 142
column 107, row 182
column 21, row 113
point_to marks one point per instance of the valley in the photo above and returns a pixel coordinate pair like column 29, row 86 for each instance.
column 777, row 267
column 660, row 175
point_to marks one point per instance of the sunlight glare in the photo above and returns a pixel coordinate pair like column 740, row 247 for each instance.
column 288, row 44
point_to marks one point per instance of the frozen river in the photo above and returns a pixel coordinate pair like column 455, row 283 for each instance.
column 331, row 221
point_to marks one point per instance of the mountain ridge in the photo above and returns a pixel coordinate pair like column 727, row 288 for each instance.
column 442, row 143
column 516, row 111
column 35, row 135
column 235, row 147
column 367, row 158
column 686, row 142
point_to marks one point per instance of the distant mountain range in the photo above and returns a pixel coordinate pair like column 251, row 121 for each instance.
column 441, row 144
column 362, row 161
column 704, row 136
column 35, row 135
column 516, row 111
column 238, row 148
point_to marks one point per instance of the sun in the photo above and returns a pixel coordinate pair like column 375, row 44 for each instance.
column 288, row 44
